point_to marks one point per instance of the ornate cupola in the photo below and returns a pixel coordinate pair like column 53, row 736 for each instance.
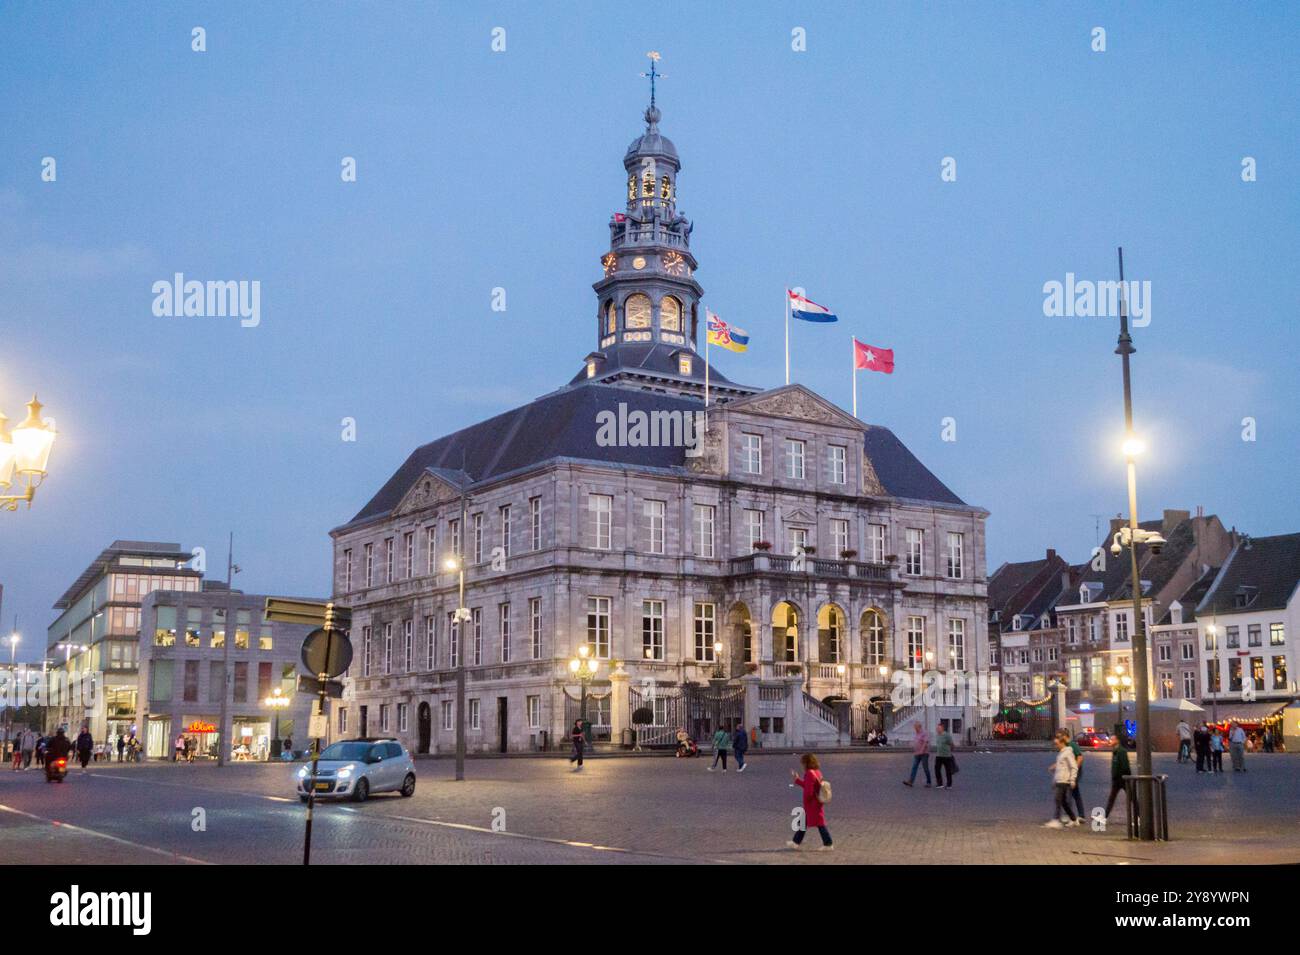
column 648, row 312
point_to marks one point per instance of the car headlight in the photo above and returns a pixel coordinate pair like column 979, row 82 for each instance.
column 346, row 772
column 302, row 773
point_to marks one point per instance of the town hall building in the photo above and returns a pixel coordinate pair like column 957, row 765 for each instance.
column 775, row 565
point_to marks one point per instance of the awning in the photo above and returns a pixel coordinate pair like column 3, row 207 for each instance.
column 1249, row 712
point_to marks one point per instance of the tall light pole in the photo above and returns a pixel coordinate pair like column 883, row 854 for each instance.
column 583, row 667
column 1119, row 681
column 1133, row 447
column 1213, row 631
column 13, row 683
column 65, row 691
column 276, row 701
column 223, row 736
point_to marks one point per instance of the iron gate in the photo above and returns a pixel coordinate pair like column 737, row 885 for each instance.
column 597, row 713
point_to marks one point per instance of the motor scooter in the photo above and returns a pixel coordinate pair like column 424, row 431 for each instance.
column 56, row 769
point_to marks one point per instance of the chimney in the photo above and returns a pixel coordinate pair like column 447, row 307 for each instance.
column 1116, row 523
column 1171, row 520
column 1051, row 555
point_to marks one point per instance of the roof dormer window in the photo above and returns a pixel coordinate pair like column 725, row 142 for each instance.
column 684, row 365
column 591, row 368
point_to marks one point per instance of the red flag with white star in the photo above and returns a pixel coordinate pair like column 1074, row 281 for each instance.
column 873, row 359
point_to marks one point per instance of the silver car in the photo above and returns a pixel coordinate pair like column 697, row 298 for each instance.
column 355, row 768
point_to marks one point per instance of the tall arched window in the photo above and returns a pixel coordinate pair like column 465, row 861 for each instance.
column 873, row 639
column 611, row 318
column 665, row 188
column 636, row 311
column 670, row 314
column 631, row 186
column 648, row 185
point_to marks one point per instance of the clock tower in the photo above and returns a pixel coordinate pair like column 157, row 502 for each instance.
column 648, row 312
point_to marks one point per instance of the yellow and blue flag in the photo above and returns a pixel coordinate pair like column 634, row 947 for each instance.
column 724, row 335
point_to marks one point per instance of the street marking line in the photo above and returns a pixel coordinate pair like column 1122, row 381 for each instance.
column 104, row 835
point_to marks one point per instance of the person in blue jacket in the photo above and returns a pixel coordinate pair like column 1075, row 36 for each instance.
column 739, row 744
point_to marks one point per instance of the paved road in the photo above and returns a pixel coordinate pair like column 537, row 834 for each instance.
column 637, row 810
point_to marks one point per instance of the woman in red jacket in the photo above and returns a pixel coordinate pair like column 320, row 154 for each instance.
column 814, row 810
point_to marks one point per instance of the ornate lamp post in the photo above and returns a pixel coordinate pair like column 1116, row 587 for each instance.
column 583, row 667
column 718, row 671
column 276, row 701
column 461, row 617
column 24, row 453
column 884, row 692
column 1119, row 681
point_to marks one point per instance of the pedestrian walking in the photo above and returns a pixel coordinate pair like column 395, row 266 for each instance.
column 1201, row 742
column 721, row 744
column 739, row 744
column 1078, row 758
column 920, row 754
column 85, row 744
column 943, row 758
column 1119, row 768
column 1216, row 752
column 578, row 740
column 179, row 749
column 816, row 794
column 1184, row 741
column 1064, row 769
column 28, row 746
column 1237, row 744
column 121, row 746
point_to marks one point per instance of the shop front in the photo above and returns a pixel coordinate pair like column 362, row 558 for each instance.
column 251, row 736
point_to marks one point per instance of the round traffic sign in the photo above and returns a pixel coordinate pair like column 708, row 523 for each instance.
column 326, row 651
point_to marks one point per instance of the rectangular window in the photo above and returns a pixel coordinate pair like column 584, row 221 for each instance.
column 794, row 459
column 1187, row 650
column 388, row 648
column 389, row 560
column 957, row 644
column 1234, row 674
column 703, row 530
column 383, row 717
column 343, row 720
column 347, row 569
column 503, row 514
column 475, row 718
column 365, row 651
column 535, row 627
column 598, row 626
column 453, row 641
column 654, row 521
column 652, row 629
column 916, row 643
column 160, row 681
column 264, row 677
column 478, row 538
column 1279, row 672
column 1257, row 672
column 955, row 555
column 430, row 642
column 875, row 638
column 1276, row 635
column 408, row 645
column 839, row 464
column 264, row 639
column 191, row 689
column 535, row 522
column 448, row 723
column 1076, row 673
column 215, row 681
column 839, row 537
column 1097, row 672
column 1189, row 684
column 241, row 683
column 1164, row 653
column 1234, row 638
column 1213, row 682
column 705, row 632
column 753, row 528
column 1254, row 635
column 503, row 618
column 1121, row 628
column 915, row 551
column 533, row 709
column 369, row 557
column 476, row 623
column 1071, row 631
column 600, row 518
column 453, row 530
column 402, row 724
column 408, row 542
column 877, row 542
column 431, row 550
column 798, row 537
column 751, row 453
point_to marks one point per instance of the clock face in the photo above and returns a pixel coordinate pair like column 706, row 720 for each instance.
column 674, row 263
column 638, row 263
column 610, row 262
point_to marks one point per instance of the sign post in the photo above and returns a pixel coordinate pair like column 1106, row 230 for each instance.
column 327, row 652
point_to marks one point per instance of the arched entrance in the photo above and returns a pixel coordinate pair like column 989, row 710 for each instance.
column 741, row 646
column 785, row 633
column 424, row 720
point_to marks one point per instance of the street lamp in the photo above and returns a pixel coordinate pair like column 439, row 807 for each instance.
column 456, row 564
column 884, row 693
column 718, row 671
column 1213, row 633
column 276, row 701
column 1119, row 681
column 583, row 667
column 24, row 453
column 13, row 684
column 67, row 649
column 1135, row 535
column 841, row 670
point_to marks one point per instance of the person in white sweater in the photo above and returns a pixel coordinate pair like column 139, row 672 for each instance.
column 1065, row 769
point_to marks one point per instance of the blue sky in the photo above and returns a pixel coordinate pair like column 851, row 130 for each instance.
column 479, row 169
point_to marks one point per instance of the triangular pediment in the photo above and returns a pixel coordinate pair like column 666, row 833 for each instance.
column 796, row 403
column 429, row 490
column 800, row 516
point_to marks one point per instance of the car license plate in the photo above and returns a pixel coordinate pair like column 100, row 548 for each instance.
column 322, row 787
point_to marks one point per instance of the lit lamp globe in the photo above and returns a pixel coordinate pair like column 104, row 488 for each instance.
column 7, row 455
column 32, row 441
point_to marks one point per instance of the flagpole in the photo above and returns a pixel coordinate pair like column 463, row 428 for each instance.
column 787, row 336
column 706, row 370
column 854, row 351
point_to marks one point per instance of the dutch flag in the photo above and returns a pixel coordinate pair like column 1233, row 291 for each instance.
column 803, row 308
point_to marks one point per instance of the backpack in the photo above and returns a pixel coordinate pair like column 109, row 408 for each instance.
column 824, row 792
